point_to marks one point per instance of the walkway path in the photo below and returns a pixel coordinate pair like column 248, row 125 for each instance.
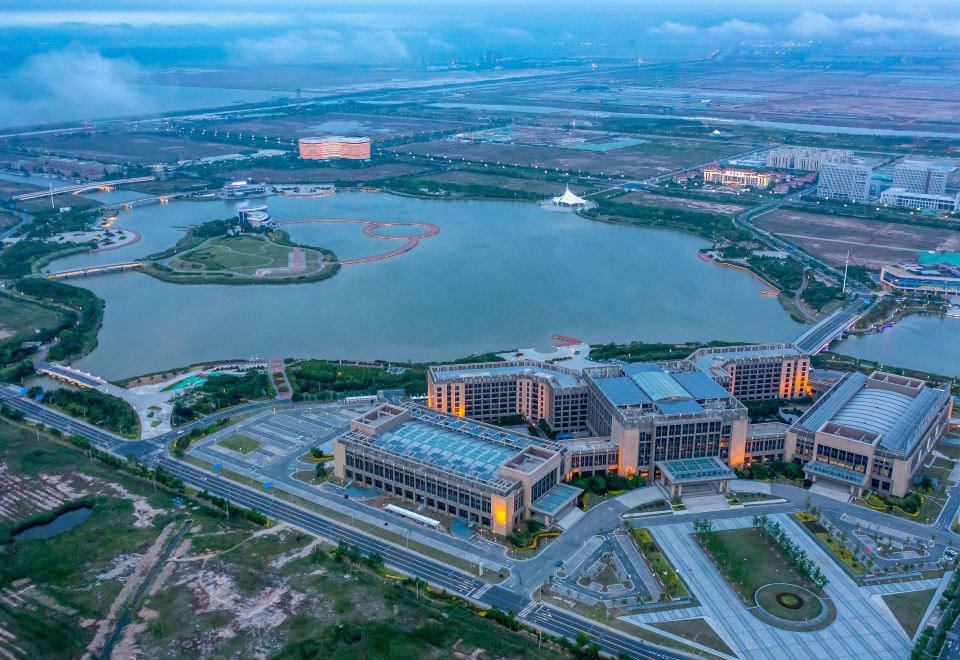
column 370, row 229
column 860, row 630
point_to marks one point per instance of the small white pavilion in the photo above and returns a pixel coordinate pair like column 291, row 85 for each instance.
column 568, row 201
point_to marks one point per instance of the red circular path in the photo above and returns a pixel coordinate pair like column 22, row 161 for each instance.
column 370, row 229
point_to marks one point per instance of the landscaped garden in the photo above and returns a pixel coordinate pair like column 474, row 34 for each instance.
column 768, row 571
column 659, row 564
column 240, row 443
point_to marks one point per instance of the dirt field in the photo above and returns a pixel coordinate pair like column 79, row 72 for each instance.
column 122, row 147
column 658, row 156
column 646, row 199
column 871, row 242
column 351, row 125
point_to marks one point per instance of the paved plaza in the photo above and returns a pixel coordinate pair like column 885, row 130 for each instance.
column 863, row 627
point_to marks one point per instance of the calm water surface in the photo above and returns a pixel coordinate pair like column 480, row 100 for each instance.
column 924, row 342
column 498, row 276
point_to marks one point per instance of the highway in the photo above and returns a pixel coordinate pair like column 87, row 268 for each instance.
column 549, row 619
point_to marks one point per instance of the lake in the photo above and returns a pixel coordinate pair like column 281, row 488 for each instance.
column 498, row 276
column 925, row 342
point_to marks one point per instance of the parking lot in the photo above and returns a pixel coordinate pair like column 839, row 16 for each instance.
column 272, row 439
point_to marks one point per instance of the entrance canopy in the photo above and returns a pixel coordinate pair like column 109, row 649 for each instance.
column 674, row 474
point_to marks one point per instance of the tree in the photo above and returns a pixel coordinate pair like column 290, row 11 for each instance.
column 321, row 471
column 702, row 526
column 807, row 503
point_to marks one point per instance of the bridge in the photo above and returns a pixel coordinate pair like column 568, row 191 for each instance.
column 818, row 337
column 95, row 270
column 157, row 199
column 105, row 186
column 70, row 375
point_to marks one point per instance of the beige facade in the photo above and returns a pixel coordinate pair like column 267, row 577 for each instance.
column 492, row 391
column 437, row 462
column 738, row 178
column 756, row 372
column 870, row 432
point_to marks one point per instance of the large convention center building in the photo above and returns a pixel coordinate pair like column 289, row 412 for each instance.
column 328, row 148
column 870, row 432
column 461, row 468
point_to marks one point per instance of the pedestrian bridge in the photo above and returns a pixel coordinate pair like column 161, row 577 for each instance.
column 95, row 270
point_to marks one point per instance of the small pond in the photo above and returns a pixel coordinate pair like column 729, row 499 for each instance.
column 62, row 523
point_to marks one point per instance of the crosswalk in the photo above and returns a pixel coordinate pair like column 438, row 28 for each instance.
column 480, row 591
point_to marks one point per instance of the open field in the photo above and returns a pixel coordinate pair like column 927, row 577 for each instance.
column 657, row 156
column 871, row 242
column 336, row 123
column 909, row 607
column 646, row 199
column 251, row 257
column 470, row 178
column 127, row 147
column 19, row 318
column 347, row 175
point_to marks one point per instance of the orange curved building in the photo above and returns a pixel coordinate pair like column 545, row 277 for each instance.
column 324, row 148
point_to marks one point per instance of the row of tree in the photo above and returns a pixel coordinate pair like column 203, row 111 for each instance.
column 797, row 556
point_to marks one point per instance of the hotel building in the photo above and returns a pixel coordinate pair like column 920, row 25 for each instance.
column 460, row 468
column 737, row 178
column 327, row 148
column 491, row 391
column 844, row 181
column 870, row 432
column 657, row 413
column 767, row 371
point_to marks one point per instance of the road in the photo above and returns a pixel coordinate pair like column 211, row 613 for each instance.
column 820, row 335
column 549, row 619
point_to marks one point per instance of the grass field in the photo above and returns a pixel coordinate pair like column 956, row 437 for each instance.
column 909, row 607
column 696, row 630
column 249, row 256
column 240, row 443
column 19, row 318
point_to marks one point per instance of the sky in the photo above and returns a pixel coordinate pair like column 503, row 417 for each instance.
column 106, row 51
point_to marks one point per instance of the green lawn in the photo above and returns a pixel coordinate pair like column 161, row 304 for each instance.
column 242, row 255
column 842, row 553
column 696, row 630
column 763, row 564
column 909, row 607
column 240, row 443
column 22, row 317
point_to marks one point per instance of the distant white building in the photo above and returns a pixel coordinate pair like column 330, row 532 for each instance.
column 917, row 176
column 844, row 181
column 919, row 201
column 806, row 158
column 568, row 201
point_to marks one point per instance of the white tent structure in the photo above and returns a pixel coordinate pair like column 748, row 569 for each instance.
column 568, row 201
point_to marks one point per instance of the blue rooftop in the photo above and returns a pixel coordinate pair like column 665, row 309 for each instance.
column 650, row 383
column 449, row 449
column 678, row 407
column 700, row 385
column 622, row 391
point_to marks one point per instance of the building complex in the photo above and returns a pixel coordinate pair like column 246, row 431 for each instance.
column 919, row 200
column 870, row 432
column 461, row 468
column 328, row 148
column 917, row 176
column 932, row 278
column 806, row 158
column 738, row 178
column 844, row 181
column 493, row 391
column 769, row 371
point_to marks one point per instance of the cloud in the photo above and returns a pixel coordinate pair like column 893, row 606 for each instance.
column 670, row 27
column 736, row 26
column 323, row 46
column 813, row 24
column 77, row 78
column 135, row 18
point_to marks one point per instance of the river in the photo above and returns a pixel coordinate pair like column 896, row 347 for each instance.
column 499, row 275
